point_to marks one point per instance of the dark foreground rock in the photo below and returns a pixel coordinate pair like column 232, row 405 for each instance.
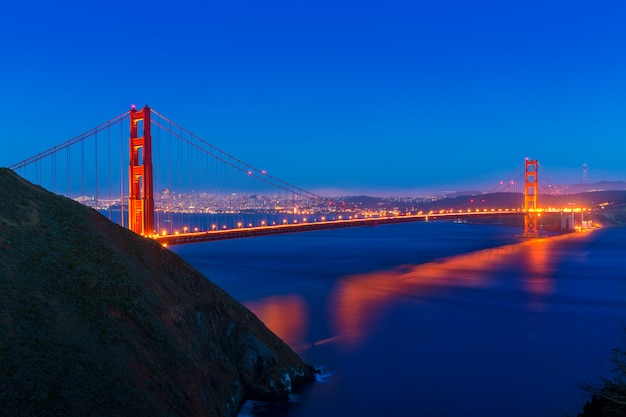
column 95, row 320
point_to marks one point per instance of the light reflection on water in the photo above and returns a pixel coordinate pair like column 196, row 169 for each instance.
column 516, row 325
column 359, row 301
column 287, row 316
column 539, row 264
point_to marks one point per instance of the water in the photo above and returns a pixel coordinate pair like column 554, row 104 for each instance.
column 432, row 319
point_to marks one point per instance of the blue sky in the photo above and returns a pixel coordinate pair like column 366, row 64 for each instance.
column 356, row 96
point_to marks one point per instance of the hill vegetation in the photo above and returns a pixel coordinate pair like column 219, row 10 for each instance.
column 95, row 320
column 608, row 398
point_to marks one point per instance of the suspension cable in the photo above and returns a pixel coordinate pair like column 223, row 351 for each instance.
column 70, row 142
column 245, row 166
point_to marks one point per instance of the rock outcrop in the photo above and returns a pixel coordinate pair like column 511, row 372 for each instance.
column 95, row 320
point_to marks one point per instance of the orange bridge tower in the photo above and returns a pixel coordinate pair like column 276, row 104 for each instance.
column 141, row 193
column 531, row 178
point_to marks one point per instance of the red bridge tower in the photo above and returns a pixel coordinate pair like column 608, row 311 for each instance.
column 531, row 183
column 141, row 193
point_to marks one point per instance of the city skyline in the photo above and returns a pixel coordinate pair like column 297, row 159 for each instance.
column 336, row 98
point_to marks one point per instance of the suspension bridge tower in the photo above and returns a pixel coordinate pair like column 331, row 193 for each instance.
column 141, row 193
column 531, row 178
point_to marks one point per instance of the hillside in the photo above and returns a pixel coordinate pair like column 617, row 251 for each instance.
column 95, row 320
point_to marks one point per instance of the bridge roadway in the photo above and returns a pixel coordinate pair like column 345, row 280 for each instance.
column 207, row 236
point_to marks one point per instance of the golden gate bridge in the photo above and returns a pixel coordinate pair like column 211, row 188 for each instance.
column 151, row 175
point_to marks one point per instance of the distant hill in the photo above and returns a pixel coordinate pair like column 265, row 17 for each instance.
column 95, row 320
column 454, row 194
column 609, row 206
column 596, row 186
column 480, row 200
column 515, row 200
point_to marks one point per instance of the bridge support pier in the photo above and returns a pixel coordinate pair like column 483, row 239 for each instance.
column 141, row 193
column 531, row 180
column 567, row 221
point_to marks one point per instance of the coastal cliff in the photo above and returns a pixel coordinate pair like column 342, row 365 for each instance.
column 95, row 320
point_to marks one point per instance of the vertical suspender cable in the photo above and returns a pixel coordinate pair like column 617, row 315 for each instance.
column 122, row 174
column 96, row 144
column 82, row 168
column 156, row 170
column 69, row 174
column 190, row 189
column 179, row 173
column 109, row 170
column 54, row 172
column 170, row 178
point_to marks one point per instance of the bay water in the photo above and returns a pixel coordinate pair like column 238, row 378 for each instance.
column 432, row 319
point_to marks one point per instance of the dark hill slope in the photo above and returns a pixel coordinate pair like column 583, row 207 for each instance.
column 95, row 320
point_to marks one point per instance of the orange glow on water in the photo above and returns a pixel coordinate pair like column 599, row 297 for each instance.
column 538, row 281
column 360, row 301
column 287, row 316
